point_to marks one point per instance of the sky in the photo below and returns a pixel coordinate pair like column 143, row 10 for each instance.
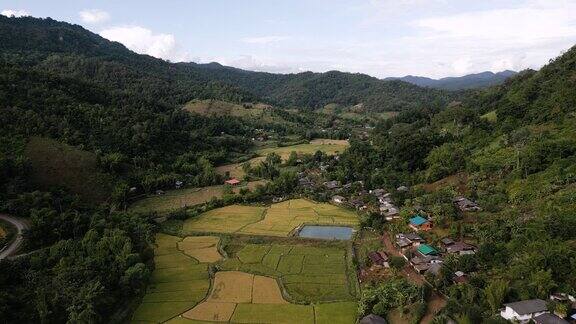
column 382, row 38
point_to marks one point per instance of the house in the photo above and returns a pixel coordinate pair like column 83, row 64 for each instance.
column 434, row 268
column 392, row 214
column 306, row 183
column 358, row 204
column 447, row 241
column 460, row 277
column 461, row 248
column 338, row 199
column 178, row 184
column 465, row 204
column 405, row 241
column 378, row 192
column 548, row 318
column 372, row 319
column 232, row 182
column 419, row 223
column 426, row 249
column 402, row 189
column 524, row 311
column 378, row 258
column 334, row 184
column 422, row 263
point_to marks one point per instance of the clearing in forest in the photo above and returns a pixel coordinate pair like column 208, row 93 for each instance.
column 279, row 219
column 327, row 146
column 56, row 164
column 176, row 199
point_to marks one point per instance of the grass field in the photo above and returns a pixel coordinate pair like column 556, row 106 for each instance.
column 279, row 219
column 58, row 165
column 308, row 273
column 223, row 108
column 175, row 199
column 178, row 283
column 328, row 146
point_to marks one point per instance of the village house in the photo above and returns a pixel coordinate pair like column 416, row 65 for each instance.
column 402, row 189
column 419, row 223
column 372, row 319
column 524, row 311
column 406, row 241
column 548, row 318
column 232, row 182
column 422, row 263
column 306, row 183
column 392, row 214
column 178, row 184
column 358, row 204
column 460, row 277
column 338, row 199
column 331, row 185
column 460, row 248
column 379, row 258
column 378, row 192
column 465, row 204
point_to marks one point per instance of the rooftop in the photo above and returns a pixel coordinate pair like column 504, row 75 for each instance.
column 426, row 249
column 528, row 306
column 418, row 220
column 549, row 319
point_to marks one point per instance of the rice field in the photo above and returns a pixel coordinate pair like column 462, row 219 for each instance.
column 279, row 219
column 202, row 248
column 176, row 199
column 307, row 273
column 177, row 284
column 239, row 297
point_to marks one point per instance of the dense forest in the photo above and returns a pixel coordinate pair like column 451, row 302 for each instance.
column 514, row 145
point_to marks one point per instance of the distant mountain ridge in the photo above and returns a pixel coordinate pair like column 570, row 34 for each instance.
column 470, row 81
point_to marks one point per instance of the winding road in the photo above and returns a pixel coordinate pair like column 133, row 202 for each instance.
column 20, row 225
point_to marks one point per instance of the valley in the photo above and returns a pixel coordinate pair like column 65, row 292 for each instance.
column 157, row 192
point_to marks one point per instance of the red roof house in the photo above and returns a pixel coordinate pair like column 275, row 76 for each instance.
column 232, row 181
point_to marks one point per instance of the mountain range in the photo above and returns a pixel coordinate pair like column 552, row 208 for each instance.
column 470, row 81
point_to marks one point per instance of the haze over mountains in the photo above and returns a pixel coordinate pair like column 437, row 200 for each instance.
column 470, row 81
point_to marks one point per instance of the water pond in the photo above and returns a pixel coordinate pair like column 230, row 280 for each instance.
column 326, row 232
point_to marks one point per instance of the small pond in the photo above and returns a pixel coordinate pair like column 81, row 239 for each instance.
column 326, row 232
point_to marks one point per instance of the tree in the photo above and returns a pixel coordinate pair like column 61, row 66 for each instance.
column 495, row 294
column 541, row 283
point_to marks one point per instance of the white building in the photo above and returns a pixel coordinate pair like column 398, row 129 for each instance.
column 523, row 311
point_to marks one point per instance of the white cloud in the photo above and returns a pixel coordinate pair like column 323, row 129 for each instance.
column 94, row 16
column 14, row 13
column 263, row 39
column 144, row 41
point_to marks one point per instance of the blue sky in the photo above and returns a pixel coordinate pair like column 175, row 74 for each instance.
column 434, row 38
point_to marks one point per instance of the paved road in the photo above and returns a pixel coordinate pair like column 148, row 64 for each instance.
column 20, row 225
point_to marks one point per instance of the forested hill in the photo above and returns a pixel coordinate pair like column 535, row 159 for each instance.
column 72, row 51
column 315, row 90
column 470, row 81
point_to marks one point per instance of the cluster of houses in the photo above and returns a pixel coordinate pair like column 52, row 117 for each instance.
column 537, row 311
column 425, row 258
column 387, row 208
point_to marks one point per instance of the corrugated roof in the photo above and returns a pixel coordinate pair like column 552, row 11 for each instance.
column 426, row 249
column 528, row 306
column 418, row 220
